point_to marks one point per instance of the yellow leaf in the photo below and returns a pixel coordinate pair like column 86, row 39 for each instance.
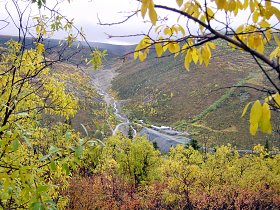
column 253, row 128
column 276, row 98
column 144, row 7
column 167, row 31
column 265, row 124
column 232, row 5
column 276, row 12
column 136, row 51
column 268, row 35
column 274, row 53
column 179, row 2
column 256, row 112
column 185, row 46
column 159, row 49
column 199, row 56
column 264, row 24
column 246, row 3
column 194, row 55
column 212, row 45
column 180, row 28
column 255, row 116
column 252, row 6
column 267, row 4
column 165, row 46
column 260, row 46
column 142, row 56
column 187, row 60
column 206, row 55
column 221, row 4
column 239, row 29
column 152, row 13
column 210, row 13
column 174, row 47
column 276, row 39
column 245, row 109
column 256, row 15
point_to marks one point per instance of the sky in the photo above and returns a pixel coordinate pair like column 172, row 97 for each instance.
column 85, row 13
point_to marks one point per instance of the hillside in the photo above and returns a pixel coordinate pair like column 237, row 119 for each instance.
column 162, row 92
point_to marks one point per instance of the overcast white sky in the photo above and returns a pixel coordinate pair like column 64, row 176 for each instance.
column 85, row 14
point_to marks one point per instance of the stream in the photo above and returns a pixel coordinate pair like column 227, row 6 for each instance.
column 162, row 136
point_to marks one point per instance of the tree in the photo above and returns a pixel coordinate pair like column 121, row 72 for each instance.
column 36, row 160
column 213, row 21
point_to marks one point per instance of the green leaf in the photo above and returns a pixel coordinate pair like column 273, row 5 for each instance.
column 42, row 188
column 68, row 135
column 66, row 168
column 79, row 151
column 4, row 128
column 53, row 149
column 15, row 144
column 53, row 166
column 37, row 206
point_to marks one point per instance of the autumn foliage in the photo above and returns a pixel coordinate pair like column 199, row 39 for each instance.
column 183, row 179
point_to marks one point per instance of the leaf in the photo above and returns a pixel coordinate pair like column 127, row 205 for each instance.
column 210, row 13
column 265, row 124
column 276, row 39
column 144, row 8
column 179, row 2
column 66, row 168
column 37, row 206
column 159, row 49
column 68, row 135
column 188, row 60
column 152, row 13
column 245, row 109
column 53, row 165
column 264, row 24
column 142, row 56
column 180, row 28
column 194, row 55
column 212, row 45
column 173, row 47
column 42, row 188
column 256, row 112
column 255, row 17
column 167, row 31
column 253, row 128
column 276, row 98
column 79, row 151
column 15, row 144
column 53, row 149
column 255, row 116
column 252, row 6
column 276, row 12
column 3, row 128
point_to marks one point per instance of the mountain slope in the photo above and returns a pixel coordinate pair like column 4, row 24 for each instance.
column 162, row 92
